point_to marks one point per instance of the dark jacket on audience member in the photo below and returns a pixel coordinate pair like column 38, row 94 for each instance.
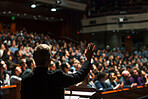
column 138, row 80
column 126, row 83
column 26, row 72
column 43, row 84
column 102, row 86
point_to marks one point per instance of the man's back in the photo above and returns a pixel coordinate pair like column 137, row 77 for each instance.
column 42, row 83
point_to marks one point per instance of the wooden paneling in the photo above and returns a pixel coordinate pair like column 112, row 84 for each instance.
column 13, row 27
column 1, row 27
column 109, row 23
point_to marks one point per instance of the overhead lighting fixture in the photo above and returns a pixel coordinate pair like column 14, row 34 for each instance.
column 18, row 14
column 33, row 6
column 52, row 18
column 122, row 19
column 9, row 12
column 4, row 12
column 25, row 14
column 53, row 9
column 47, row 18
column 39, row 16
column 59, row 2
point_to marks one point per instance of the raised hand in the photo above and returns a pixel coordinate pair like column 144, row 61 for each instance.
column 90, row 50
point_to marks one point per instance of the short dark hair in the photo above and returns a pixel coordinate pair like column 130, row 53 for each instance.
column 29, row 61
column 132, row 70
column 63, row 65
column 100, row 75
column 0, row 63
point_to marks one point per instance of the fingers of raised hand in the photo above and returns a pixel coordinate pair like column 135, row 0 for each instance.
column 92, row 46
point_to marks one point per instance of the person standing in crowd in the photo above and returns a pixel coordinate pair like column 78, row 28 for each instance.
column 42, row 84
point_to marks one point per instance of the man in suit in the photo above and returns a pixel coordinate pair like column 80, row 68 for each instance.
column 42, row 84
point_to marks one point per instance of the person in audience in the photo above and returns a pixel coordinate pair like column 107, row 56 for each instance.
column 144, row 76
column 65, row 67
column 43, row 84
column 23, row 65
column 136, row 77
column 111, row 81
column 52, row 66
column 2, row 48
column 4, row 76
column 29, row 66
column 15, row 76
column 27, row 48
column 17, row 57
column 13, row 48
column 125, row 79
column 100, row 82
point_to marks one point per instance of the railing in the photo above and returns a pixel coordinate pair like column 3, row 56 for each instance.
column 13, row 92
column 125, row 93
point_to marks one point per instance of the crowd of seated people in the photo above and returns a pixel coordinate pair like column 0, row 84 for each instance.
column 111, row 68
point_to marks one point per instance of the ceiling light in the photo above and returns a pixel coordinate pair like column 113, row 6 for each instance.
column 9, row 12
column 18, row 14
column 53, row 9
column 52, row 18
column 33, row 6
column 4, row 12
column 47, row 18
column 59, row 1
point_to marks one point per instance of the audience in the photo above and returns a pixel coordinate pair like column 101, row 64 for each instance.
column 116, row 67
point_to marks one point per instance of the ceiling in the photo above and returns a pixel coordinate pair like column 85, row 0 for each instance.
column 22, row 9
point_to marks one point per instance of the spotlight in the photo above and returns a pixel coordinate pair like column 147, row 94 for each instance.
column 33, row 6
column 53, row 9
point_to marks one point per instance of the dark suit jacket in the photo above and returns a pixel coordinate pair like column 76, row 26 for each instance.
column 43, row 84
column 127, row 83
column 27, row 71
column 102, row 86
